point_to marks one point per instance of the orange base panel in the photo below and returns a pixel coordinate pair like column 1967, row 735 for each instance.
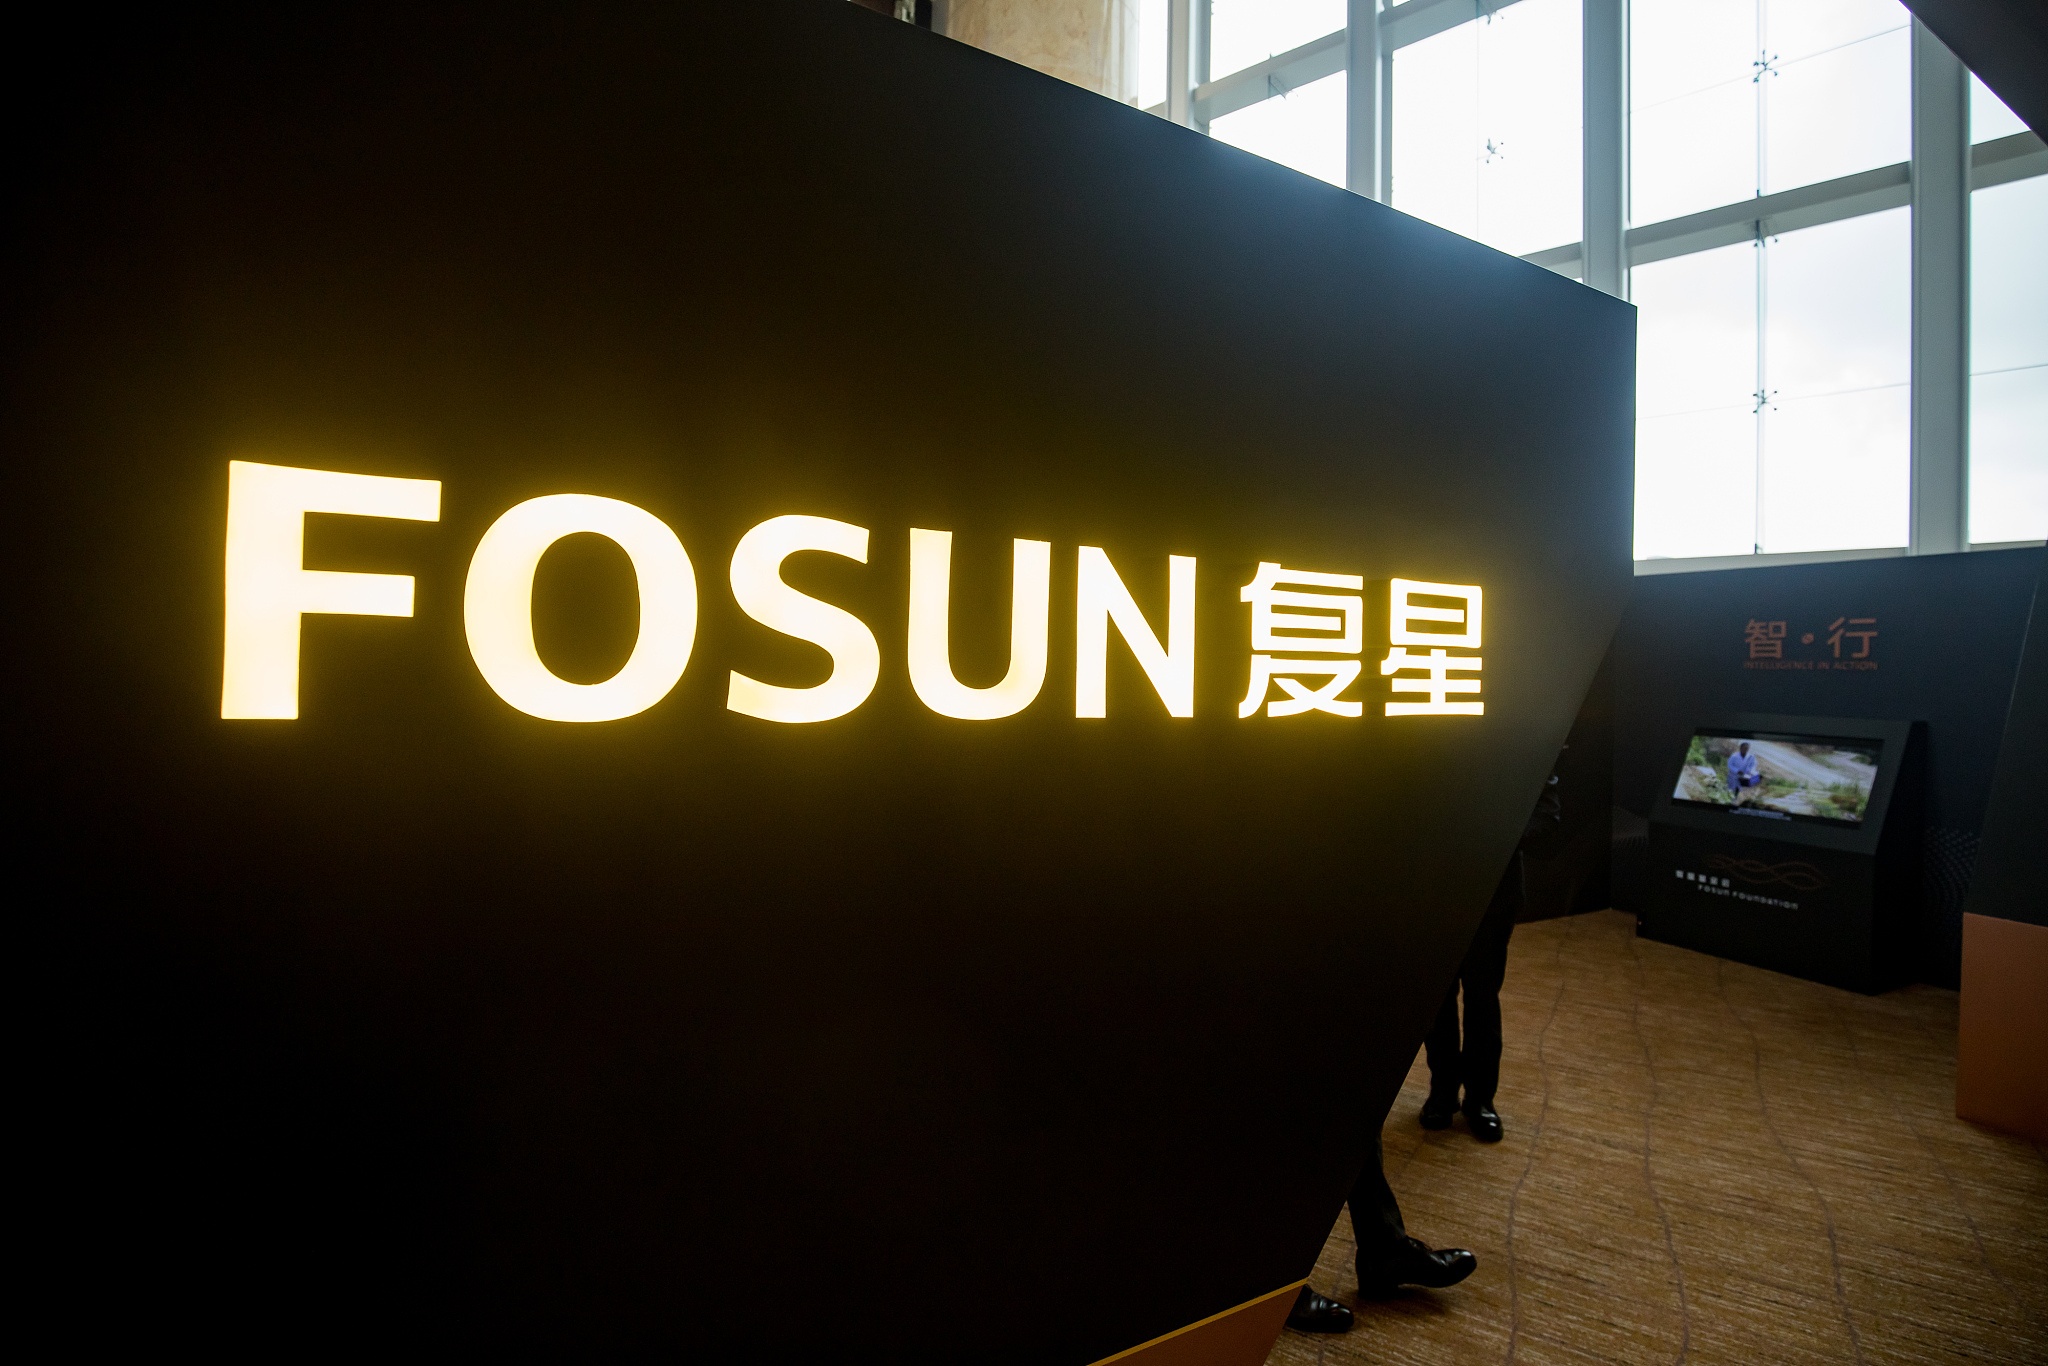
column 2002, row 1040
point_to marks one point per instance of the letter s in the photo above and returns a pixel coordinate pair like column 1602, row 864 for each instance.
column 758, row 588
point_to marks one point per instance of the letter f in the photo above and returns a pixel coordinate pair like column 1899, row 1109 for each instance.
column 269, row 589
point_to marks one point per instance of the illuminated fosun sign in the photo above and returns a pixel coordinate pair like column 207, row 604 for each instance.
column 1308, row 627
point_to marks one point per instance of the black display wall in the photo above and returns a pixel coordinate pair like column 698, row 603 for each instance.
column 1938, row 639
column 420, row 1020
column 2009, row 882
column 2003, row 41
column 1568, row 872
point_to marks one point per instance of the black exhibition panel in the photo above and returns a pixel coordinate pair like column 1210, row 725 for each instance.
column 1933, row 637
column 1828, row 900
column 2009, row 885
column 2003, row 41
column 423, row 1017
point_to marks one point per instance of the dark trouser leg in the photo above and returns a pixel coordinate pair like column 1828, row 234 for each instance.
column 1440, row 1046
column 1485, row 968
column 1375, row 1215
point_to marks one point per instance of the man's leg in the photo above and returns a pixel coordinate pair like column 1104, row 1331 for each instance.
column 1375, row 1223
column 1485, row 968
column 1387, row 1256
column 1446, row 1067
column 1375, row 1214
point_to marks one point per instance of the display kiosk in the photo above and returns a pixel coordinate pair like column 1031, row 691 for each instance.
column 1791, row 843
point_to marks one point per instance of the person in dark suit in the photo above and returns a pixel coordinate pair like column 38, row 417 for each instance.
column 1388, row 1257
column 1473, row 1062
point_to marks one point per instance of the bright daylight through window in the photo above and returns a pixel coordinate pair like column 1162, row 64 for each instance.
column 1769, row 152
column 1298, row 125
column 1486, row 127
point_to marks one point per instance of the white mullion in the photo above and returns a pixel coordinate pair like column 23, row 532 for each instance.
column 1764, row 67
column 1763, row 392
column 1179, row 68
column 1362, row 63
column 1939, row 501
column 1603, row 230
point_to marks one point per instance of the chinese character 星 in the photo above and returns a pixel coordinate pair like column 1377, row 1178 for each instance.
column 1766, row 639
column 1329, row 624
column 1437, row 663
column 1863, row 638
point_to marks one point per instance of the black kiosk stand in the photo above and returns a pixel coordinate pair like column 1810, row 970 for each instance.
column 1791, row 843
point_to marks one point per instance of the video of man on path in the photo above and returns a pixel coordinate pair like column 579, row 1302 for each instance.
column 1790, row 778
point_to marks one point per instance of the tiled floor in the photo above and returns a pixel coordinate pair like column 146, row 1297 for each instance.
column 1709, row 1163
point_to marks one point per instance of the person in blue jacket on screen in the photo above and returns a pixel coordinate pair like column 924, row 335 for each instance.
column 1742, row 772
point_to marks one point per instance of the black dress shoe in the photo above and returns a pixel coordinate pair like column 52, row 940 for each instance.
column 1314, row 1313
column 1485, row 1122
column 1437, row 1112
column 1414, row 1262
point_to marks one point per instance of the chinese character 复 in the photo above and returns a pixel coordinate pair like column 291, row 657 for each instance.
column 1437, row 663
column 1766, row 639
column 1325, row 623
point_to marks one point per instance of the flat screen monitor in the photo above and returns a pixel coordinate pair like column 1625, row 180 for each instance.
column 1779, row 777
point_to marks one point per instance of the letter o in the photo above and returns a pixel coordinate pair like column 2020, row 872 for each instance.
column 497, row 608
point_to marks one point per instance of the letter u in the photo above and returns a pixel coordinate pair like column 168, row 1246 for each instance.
column 931, row 661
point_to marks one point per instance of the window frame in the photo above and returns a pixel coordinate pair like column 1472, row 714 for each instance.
column 1936, row 181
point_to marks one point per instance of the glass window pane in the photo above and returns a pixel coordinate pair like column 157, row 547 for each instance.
column 1837, row 364
column 1693, row 152
column 1837, row 89
column 1989, row 116
column 1242, row 32
column 2009, row 362
column 1836, row 471
column 1151, row 87
column 2009, row 456
column 2009, row 276
column 1531, row 153
column 1434, row 171
column 1696, row 331
column 1303, row 129
column 1693, row 106
column 1731, row 98
column 1797, row 29
column 1696, row 484
column 1838, row 309
column 1680, row 47
column 1696, row 427
column 1486, row 127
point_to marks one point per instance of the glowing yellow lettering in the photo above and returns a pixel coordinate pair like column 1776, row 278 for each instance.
column 931, row 663
column 1437, row 664
column 497, row 608
column 758, row 588
column 1100, row 597
column 269, row 588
